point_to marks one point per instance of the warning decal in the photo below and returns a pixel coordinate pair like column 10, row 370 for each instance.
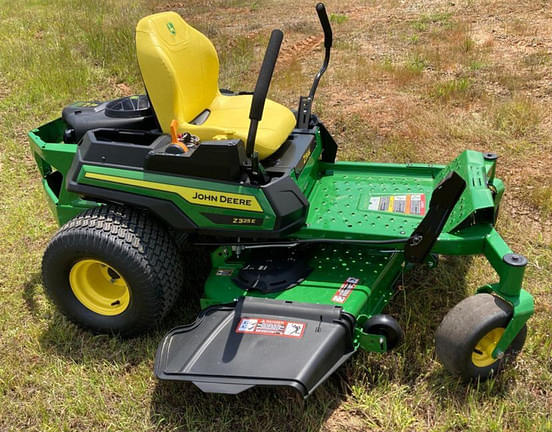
column 270, row 327
column 224, row 272
column 407, row 204
column 347, row 287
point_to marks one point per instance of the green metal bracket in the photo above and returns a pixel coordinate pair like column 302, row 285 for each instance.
column 523, row 307
column 477, row 196
column 510, row 269
column 511, row 276
column 370, row 342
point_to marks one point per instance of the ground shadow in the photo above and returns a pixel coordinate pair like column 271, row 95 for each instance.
column 257, row 409
column 445, row 387
column 29, row 293
column 64, row 338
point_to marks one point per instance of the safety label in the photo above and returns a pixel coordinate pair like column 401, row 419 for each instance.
column 345, row 290
column 414, row 204
column 271, row 327
column 224, row 272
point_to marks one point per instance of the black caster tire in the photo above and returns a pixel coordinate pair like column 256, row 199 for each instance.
column 387, row 326
column 470, row 332
column 113, row 269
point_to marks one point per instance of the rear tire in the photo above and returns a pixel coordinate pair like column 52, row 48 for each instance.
column 469, row 333
column 113, row 269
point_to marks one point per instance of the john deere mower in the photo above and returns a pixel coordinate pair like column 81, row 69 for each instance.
column 306, row 252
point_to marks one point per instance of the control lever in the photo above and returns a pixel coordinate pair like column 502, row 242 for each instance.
column 305, row 102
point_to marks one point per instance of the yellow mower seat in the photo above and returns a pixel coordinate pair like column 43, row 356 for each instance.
column 180, row 68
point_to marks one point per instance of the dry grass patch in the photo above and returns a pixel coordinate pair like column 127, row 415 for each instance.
column 403, row 73
column 541, row 196
column 444, row 41
column 517, row 117
column 537, row 59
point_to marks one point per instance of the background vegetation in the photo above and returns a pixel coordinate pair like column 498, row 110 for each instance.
column 409, row 81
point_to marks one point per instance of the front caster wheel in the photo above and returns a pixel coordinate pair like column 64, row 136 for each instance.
column 387, row 326
column 470, row 332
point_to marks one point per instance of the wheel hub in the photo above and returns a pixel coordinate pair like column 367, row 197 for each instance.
column 482, row 355
column 99, row 287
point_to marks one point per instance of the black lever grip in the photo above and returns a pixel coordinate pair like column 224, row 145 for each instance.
column 325, row 22
column 265, row 75
column 443, row 199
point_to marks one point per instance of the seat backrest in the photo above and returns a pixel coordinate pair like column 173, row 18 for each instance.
column 179, row 67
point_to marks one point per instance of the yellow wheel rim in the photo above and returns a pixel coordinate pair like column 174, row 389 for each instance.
column 483, row 350
column 99, row 287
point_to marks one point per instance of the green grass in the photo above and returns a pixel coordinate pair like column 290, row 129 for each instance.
column 338, row 18
column 450, row 89
column 517, row 116
column 374, row 99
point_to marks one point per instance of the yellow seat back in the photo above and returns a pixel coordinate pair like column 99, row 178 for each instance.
column 179, row 66
column 180, row 69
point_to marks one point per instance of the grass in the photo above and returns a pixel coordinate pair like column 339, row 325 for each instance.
column 338, row 18
column 542, row 198
column 454, row 88
column 426, row 22
column 517, row 117
column 384, row 100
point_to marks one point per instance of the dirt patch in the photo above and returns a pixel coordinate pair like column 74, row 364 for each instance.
column 293, row 52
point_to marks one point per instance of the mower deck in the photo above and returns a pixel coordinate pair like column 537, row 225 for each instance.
column 295, row 337
column 332, row 267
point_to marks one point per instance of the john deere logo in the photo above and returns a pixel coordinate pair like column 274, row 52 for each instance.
column 171, row 28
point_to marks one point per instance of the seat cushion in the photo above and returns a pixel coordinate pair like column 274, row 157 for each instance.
column 231, row 114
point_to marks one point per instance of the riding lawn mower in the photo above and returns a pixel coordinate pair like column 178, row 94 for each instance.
column 306, row 251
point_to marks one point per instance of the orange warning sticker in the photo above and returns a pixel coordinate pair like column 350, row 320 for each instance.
column 414, row 204
column 271, row 327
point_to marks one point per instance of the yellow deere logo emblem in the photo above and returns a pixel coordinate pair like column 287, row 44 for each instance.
column 171, row 28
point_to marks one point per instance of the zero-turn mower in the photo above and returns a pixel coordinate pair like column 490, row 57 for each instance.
column 306, row 252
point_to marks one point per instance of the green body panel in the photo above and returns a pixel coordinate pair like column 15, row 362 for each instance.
column 52, row 154
column 341, row 198
column 49, row 149
column 341, row 206
column 341, row 203
column 194, row 212
column 472, row 167
column 331, row 267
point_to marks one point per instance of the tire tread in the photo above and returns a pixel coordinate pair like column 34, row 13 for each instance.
column 131, row 234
